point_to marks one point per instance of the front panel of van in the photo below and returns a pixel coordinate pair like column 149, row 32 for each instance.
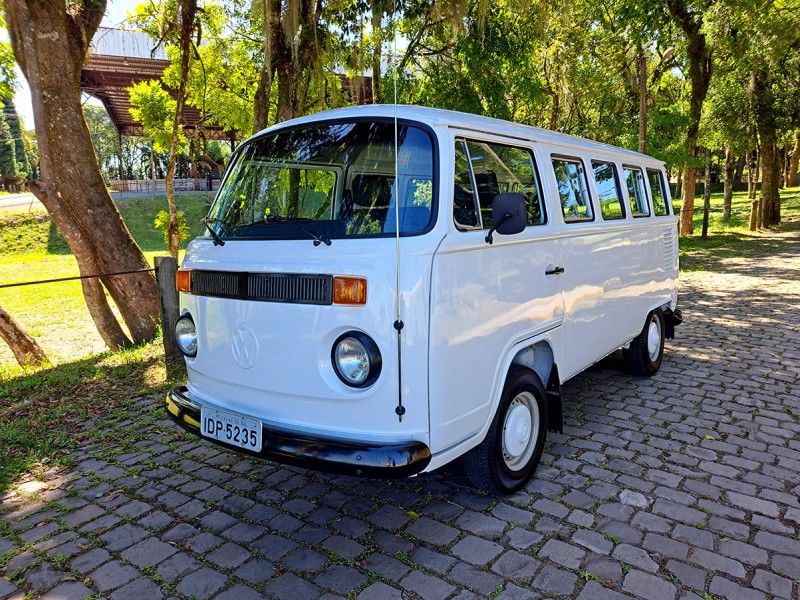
column 302, row 206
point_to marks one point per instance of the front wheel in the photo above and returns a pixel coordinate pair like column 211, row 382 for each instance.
column 507, row 458
column 643, row 356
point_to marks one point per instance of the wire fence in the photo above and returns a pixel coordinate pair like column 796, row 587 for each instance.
column 75, row 278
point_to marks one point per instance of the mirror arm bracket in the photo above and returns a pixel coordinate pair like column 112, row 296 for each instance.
column 489, row 238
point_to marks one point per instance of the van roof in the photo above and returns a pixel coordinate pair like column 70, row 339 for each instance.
column 436, row 117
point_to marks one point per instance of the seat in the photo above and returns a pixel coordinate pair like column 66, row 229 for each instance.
column 370, row 195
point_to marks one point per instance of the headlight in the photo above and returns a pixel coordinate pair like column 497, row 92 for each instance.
column 186, row 335
column 356, row 359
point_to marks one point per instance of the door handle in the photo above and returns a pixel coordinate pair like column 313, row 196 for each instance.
column 554, row 271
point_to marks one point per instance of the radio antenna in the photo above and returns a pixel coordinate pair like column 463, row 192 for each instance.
column 400, row 410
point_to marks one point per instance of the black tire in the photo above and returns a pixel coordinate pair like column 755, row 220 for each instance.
column 491, row 465
column 643, row 356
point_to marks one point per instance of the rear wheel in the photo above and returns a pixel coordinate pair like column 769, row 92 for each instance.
column 507, row 458
column 643, row 356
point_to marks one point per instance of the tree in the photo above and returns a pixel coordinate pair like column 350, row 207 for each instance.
column 18, row 135
column 689, row 17
column 104, row 140
column 8, row 154
column 50, row 42
column 26, row 350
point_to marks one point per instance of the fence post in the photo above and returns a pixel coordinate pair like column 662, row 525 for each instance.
column 166, row 272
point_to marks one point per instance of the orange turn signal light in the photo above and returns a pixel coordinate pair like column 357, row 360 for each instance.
column 183, row 282
column 350, row 290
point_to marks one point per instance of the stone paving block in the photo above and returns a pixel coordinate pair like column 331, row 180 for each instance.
column 635, row 556
column 433, row 532
column 380, row 591
column 122, row 537
column 431, row 560
column 512, row 514
column 749, row 555
column 476, row 579
column 148, row 553
column 515, row 592
column 772, row 584
column 593, row 541
column 138, row 588
column 595, row 591
column 693, row 536
column 82, row 515
column 202, row 584
column 426, row 586
column 69, row 590
column 522, row 539
column 724, row 588
column 608, row 570
column 341, row 579
column 177, row 566
column 665, row 546
column 83, row 563
column 42, row 577
column 112, row 575
column 475, row 550
column 688, row 575
column 516, row 566
column 715, row 562
column 228, row 556
column 42, row 530
column 645, row 585
column 386, row 566
column 305, row 560
column 552, row 580
column 389, row 517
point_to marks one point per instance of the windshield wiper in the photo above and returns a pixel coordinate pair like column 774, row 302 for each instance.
column 318, row 239
column 218, row 241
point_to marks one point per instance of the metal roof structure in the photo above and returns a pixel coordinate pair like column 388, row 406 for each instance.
column 119, row 59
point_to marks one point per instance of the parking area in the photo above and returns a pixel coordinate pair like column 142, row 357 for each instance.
column 681, row 486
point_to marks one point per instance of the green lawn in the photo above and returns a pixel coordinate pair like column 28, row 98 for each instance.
column 726, row 239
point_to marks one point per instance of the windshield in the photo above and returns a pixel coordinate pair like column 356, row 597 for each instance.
column 337, row 180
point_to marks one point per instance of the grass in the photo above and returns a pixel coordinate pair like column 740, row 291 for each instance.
column 34, row 250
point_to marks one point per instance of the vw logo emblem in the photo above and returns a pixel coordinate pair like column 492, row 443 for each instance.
column 244, row 347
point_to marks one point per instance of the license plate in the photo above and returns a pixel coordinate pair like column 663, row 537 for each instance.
column 230, row 428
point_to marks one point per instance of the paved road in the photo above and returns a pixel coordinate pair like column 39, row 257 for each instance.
column 683, row 486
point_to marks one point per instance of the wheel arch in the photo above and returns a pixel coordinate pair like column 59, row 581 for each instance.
column 539, row 357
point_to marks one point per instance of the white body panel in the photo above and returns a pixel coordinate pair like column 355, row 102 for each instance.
column 468, row 308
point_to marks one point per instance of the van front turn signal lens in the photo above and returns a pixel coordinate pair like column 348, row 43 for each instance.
column 183, row 282
column 350, row 290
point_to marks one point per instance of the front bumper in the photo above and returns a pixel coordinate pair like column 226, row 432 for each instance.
column 360, row 458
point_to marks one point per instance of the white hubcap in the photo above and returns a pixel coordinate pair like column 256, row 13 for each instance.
column 522, row 420
column 654, row 339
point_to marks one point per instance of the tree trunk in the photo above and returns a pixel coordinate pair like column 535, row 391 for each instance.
column 26, row 350
column 687, row 208
column 730, row 165
column 737, row 175
column 766, row 124
column 752, row 174
column 706, row 195
column 50, row 46
column 271, row 23
column 642, row 67
column 377, row 46
column 793, row 163
column 185, row 16
column 770, row 182
column 699, row 55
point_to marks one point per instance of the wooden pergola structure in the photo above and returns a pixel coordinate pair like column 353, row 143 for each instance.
column 119, row 59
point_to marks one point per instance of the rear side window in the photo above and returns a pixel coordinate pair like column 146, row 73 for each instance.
column 660, row 202
column 605, row 176
column 635, row 182
column 495, row 169
column 573, row 190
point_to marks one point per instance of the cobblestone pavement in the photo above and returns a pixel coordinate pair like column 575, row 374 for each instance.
column 681, row 486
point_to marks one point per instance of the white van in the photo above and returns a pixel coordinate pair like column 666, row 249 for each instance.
column 384, row 289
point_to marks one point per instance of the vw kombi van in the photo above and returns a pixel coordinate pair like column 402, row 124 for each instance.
column 383, row 289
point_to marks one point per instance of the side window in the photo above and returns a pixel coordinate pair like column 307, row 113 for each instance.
column 499, row 169
column 605, row 176
column 635, row 182
column 573, row 190
column 660, row 202
column 465, row 210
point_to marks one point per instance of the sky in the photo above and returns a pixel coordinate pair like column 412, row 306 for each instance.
column 116, row 12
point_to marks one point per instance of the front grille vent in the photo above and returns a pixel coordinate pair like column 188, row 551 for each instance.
column 294, row 288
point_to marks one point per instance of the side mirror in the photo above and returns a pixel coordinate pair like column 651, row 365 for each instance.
column 509, row 213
